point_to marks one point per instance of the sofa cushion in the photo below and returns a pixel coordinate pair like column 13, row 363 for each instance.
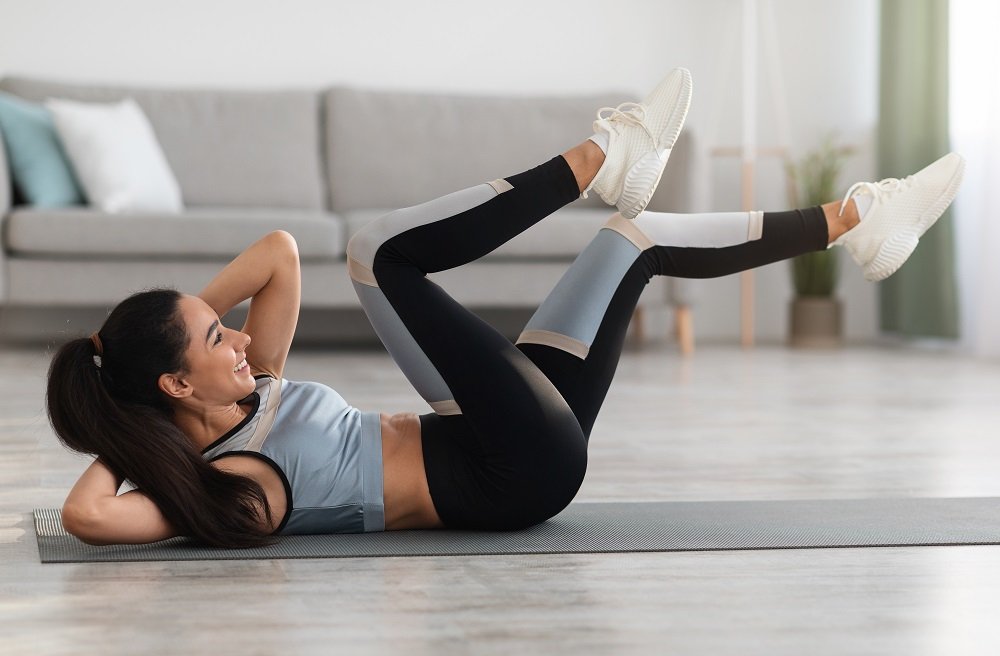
column 398, row 149
column 226, row 148
column 116, row 156
column 560, row 236
column 195, row 233
column 39, row 165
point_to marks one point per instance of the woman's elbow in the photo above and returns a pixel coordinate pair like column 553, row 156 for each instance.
column 83, row 523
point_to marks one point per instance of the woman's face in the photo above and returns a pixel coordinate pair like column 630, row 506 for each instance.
column 216, row 356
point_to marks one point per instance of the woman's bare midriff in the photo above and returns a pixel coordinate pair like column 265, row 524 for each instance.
column 406, row 496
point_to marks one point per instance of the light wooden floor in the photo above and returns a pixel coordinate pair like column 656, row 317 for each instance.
column 726, row 424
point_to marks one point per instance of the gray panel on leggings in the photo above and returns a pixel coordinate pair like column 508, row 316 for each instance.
column 610, row 528
column 401, row 346
column 577, row 304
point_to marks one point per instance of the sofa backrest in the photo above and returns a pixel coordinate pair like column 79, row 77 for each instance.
column 226, row 148
column 392, row 149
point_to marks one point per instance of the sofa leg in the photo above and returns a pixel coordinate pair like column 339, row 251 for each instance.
column 684, row 328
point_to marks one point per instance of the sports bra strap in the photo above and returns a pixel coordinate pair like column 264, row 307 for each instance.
column 267, row 416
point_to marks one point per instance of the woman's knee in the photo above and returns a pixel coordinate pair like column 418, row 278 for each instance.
column 368, row 246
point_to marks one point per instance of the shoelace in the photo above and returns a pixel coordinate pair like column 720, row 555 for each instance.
column 629, row 113
column 887, row 186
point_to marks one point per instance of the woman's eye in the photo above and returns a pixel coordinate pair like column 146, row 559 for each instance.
column 218, row 337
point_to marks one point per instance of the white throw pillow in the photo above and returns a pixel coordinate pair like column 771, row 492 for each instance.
column 116, row 156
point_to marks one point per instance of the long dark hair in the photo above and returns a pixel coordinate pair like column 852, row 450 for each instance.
column 117, row 412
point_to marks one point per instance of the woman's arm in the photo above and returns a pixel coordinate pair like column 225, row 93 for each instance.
column 267, row 273
column 97, row 514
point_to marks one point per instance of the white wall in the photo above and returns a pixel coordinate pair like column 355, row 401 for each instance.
column 828, row 54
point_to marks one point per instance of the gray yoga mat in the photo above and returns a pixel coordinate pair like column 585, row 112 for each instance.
column 609, row 528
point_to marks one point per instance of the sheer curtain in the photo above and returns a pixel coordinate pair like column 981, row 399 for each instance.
column 921, row 300
column 975, row 134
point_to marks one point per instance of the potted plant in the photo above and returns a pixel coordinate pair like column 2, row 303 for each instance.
column 816, row 315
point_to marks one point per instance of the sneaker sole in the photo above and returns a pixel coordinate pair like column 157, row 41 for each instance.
column 642, row 179
column 895, row 250
column 640, row 183
column 891, row 255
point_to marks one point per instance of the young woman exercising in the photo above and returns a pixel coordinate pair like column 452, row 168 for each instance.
column 223, row 449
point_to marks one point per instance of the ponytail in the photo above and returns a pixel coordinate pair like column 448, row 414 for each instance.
column 103, row 399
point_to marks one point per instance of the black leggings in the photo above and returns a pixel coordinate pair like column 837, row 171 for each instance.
column 506, row 445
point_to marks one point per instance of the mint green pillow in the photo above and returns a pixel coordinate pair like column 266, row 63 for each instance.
column 39, row 167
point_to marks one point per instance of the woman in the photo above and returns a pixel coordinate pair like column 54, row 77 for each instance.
column 221, row 448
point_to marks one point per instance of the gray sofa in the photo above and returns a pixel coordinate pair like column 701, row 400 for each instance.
column 318, row 164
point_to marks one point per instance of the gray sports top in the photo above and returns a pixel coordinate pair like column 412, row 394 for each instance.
column 327, row 453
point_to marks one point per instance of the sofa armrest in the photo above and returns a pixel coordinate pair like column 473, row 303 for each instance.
column 6, row 193
column 6, row 199
column 683, row 187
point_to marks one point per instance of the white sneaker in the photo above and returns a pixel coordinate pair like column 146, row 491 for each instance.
column 640, row 137
column 901, row 211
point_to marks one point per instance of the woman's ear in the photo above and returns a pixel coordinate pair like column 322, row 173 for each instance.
column 174, row 386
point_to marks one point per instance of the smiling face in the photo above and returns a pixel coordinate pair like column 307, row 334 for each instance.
column 217, row 370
